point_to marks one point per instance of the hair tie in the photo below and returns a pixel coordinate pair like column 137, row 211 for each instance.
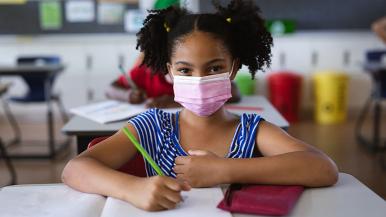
column 167, row 28
column 229, row 20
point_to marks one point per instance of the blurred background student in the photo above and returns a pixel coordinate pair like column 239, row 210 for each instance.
column 379, row 27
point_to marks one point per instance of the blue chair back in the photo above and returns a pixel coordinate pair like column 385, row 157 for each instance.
column 376, row 56
column 35, row 81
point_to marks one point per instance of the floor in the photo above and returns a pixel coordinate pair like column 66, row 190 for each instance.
column 336, row 140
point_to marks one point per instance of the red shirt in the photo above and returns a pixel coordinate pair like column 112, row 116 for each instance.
column 155, row 85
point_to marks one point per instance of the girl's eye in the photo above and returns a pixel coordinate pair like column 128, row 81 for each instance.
column 215, row 69
column 184, row 71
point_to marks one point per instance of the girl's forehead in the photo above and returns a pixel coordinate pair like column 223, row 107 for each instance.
column 199, row 47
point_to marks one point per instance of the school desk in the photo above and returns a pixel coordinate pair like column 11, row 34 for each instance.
column 48, row 71
column 347, row 198
column 85, row 130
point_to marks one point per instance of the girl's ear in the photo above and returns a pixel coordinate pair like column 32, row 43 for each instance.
column 169, row 67
column 235, row 68
column 170, row 73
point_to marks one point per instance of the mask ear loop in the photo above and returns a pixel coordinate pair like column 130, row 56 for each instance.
column 231, row 72
column 171, row 75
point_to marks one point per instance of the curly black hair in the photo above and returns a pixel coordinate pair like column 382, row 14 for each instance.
column 239, row 25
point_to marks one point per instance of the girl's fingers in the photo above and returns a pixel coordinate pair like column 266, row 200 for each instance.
column 178, row 169
column 186, row 186
column 167, row 203
column 173, row 185
column 174, row 196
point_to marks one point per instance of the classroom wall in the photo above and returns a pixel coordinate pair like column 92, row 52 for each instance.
column 107, row 50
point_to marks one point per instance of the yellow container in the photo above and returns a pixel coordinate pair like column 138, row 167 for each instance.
column 330, row 89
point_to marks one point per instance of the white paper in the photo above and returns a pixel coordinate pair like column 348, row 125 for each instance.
column 110, row 13
column 134, row 20
column 47, row 201
column 197, row 203
column 111, row 110
column 80, row 11
column 108, row 111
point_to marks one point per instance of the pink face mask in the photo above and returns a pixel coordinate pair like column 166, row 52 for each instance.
column 202, row 95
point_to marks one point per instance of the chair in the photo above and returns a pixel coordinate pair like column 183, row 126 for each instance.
column 36, row 82
column 377, row 70
column 135, row 166
column 8, row 163
column 39, row 91
column 15, row 127
column 9, row 115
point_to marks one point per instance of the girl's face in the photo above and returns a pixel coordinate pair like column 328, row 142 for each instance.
column 200, row 54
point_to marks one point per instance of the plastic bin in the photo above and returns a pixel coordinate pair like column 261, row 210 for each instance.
column 330, row 89
column 285, row 93
column 245, row 84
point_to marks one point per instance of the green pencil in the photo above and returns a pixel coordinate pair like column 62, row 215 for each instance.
column 143, row 151
column 129, row 81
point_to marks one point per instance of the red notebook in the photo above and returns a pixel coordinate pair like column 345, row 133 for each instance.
column 273, row 200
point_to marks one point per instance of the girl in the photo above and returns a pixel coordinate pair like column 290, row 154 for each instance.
column 203, row 145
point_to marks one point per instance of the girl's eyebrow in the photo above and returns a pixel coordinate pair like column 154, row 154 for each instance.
column 208, row 63
column 215, row 60
column 183, row 62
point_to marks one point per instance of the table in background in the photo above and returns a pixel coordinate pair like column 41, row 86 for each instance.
column 85, row 130
column 48, row 71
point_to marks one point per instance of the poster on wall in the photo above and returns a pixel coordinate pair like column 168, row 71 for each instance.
column 50, row 14
column 110, row 13
column 134, row 20
column 80, row 11
column 12, row 2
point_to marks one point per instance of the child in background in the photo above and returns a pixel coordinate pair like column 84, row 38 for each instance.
column 203, row 145
column 379, row 27
column 154, row 88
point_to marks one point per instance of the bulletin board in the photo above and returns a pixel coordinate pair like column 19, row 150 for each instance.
column 324, row 15
column 27, row 18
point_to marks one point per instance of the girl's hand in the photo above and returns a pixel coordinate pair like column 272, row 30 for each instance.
column 158, row 193
column 200, row 169
column 137, row 96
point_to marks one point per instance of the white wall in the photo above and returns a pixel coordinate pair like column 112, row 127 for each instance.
column 106, row 49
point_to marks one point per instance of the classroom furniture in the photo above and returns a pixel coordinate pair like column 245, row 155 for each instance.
column 8, row 113
column 3, row 151
column 46, row 71
column 330, row 90
column 285, row 93
column 348, row 197
column 377, row 70
column 8, row 163
column 86, row 130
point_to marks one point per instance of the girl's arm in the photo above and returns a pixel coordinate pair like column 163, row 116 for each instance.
column 286, row 161
column 94, row 171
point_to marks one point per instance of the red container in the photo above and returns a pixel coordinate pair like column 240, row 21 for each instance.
column 284, row 93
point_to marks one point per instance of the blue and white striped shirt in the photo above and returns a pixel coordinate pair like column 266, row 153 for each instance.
column 159, row 137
